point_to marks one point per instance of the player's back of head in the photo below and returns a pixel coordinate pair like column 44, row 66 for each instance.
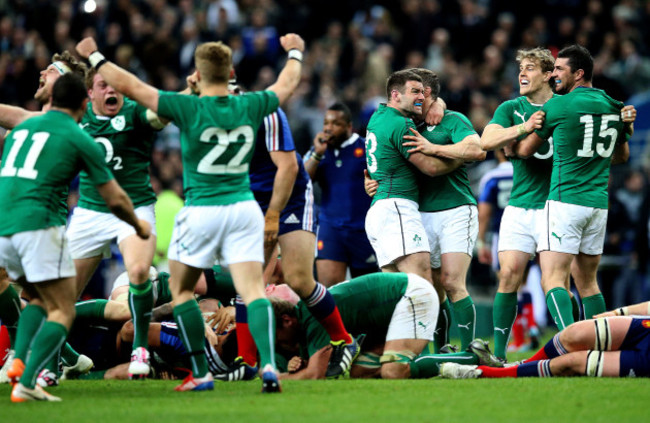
column 69, row 92
column 214, row 62
column 397, row 81
column 579, row 58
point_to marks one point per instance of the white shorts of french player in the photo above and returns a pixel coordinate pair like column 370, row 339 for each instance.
column 451, row 231
column 90, row 232
column 572, row 229
column 416, row 314
column 395, row 229
column 519, row 230
column 40, row 255
column 232, row 233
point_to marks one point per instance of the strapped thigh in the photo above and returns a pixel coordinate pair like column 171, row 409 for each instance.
column 603, row 337
column 403, row 357
column 595, row 363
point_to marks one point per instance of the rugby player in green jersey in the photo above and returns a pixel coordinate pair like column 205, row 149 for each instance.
column 393, row 223
column 518, row 233
column 588, row 136
column 395, row 312
column 220, row 220
column 42, row 155
column 448, row 209
column 10, row 116
column 125, row 131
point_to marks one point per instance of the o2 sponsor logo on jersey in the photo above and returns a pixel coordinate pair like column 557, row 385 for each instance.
column 118, row 123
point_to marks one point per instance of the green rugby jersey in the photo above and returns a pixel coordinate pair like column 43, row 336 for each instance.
column 40, row 158
column 366, row 305
column 531, row 177
column 127, row 141
column 586, row 125
column 217, row 140
column 445, row 192
column 387, row 158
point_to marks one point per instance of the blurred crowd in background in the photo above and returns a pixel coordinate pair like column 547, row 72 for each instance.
column 352, row 46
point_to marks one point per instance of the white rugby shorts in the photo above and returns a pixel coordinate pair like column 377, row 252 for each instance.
column 519, row 230
column 90, row 232
column 395, row 229
column 572, row 229
column 40, row 255
column 232, row 233
column 416, row 314
column 451, row 231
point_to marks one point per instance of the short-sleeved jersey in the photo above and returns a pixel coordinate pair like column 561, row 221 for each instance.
column 387, row 158
column 451, row 190
column 217, row 140
column 274, row 135
column 344, row 202
column 531, row 177
column 127, row 140
column 40, row 158
column 586, row 125
column 495, row 188
column 366, row 305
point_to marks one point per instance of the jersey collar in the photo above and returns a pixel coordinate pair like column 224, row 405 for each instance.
column 349, row 141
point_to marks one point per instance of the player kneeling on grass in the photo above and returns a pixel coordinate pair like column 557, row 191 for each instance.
column 614, row 344
column 396, row 312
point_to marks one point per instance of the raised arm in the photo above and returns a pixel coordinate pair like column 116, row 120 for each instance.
column 120, row 79
column 290, row 75
column 11, row 116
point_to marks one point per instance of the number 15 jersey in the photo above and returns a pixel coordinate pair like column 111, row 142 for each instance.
column 217, row 139
column 586, row 125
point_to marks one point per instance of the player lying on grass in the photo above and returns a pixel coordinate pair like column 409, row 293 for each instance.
column 614, row 344
column 397, row 314
column 220, row 339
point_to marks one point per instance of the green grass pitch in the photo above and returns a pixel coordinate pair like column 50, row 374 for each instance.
column 437, row 400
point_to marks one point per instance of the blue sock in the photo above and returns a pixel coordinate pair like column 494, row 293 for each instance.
column 541, row 368
column 320, row 302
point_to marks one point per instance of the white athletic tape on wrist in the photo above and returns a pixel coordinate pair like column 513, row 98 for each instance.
column 96, row 59
column 294, row 53
column 154, row 120
column 595, row 362
column 603, row 337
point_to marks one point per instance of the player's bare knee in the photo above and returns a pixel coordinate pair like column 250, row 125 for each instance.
column 510, row 278
column 138, row 273
column 394, row 371
column 127, row 331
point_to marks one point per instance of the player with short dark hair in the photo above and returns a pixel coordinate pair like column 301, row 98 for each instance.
column 588, row 136
column 448, row 210
column 337, row 162
column 401, row 245
column 42, row 155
